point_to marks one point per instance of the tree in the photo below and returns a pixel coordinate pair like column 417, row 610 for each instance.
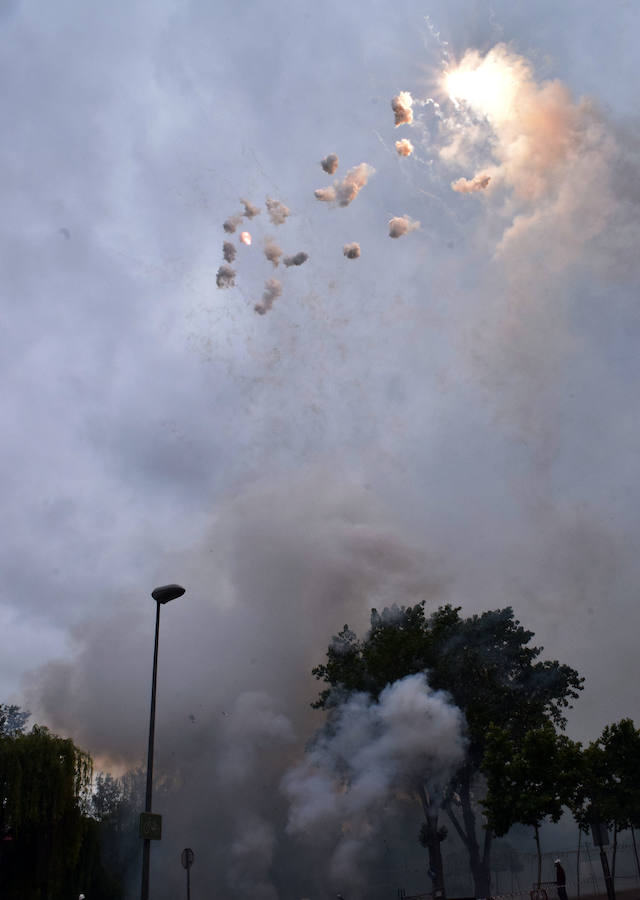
column 491, row 673
column 12, row 720
column 529, row 780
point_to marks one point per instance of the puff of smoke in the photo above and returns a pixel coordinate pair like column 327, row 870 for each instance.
column 370, row 751
column 330, row 163
column 404, row 147
column 272, row 290
column 250, row 211
column 272, row 252
column 229, row 251
column 296, row 260
column 278, row 212
column 400, row 225
column 401, row 105
column 225, row 277
column 346, row 190
column 351, row 251
column 470, row 186
column 232, row 223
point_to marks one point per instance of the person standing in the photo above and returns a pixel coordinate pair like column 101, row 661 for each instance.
column 561, row 880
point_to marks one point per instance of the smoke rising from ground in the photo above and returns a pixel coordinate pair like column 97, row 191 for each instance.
column 278, row 212
column 272, row 290
column 225, row 277
column 400, row 225
column 347, row 189
column 372, row 749
column 352, row 250
column 330, row 163
column 470, row 186
column 296, row 260
column 401, row 105
column 229, row 251
column 404, row 147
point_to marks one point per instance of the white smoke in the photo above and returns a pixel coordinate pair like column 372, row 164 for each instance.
column 347, row 189
column 400, row 225
column 470, row 186
column 401, row 105
column 370, row 751
column 404, row 147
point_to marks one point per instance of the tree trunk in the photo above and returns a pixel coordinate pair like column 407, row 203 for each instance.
column 537, row 836
column 436, row 871
column 480, row 865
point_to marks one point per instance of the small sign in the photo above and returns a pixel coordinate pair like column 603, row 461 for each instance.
column 187, row 857
column 150, row 826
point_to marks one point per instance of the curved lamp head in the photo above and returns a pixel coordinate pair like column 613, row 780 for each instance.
column 167, row 592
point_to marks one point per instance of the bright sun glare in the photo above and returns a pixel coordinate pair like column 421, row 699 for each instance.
column 487, row 85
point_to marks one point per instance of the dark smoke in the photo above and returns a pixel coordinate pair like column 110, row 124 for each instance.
column 296, row 260
column 330, row 163
column 272, row 252
column 225, row 277
column 351, row 251
column 232, row 223
column 400, row 225
column 250, row 210
column 278, row 212
column 229, row 251
column 272, row 290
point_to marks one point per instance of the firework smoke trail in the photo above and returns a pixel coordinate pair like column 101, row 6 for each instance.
column 400, row 225
column 371, row 750
column 250, row 211
column 330, row 163
column 225, row 277
column 404, row 147
column 278, row 212
column 470, row 186
column 296, row 260
column 229, row 251
column 401, row 105
column 351, row 251
column 347, row 189
column 272, row 290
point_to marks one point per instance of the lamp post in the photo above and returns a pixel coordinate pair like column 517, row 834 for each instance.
column 161, row 595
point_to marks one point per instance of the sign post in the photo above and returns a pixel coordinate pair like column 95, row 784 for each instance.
column 187, row 858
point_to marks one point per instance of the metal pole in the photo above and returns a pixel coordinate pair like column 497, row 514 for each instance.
column 189, row 883
column 146, row 848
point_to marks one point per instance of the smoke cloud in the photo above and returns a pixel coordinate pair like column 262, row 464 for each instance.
column 226, row 276
column 330, row 163
column 346, row 190
column 400, row 225
column 470, row 186
column 369, row 751
column 278, row 212
column 296, row 260
column 232, row 223
column 351, row 251
column 250, row 211
column 229, row 251
column 404, row 147
column 401, row 105
column 272, row 251
column 272, row 290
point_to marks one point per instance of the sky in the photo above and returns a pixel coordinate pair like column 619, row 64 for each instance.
column 451, row 416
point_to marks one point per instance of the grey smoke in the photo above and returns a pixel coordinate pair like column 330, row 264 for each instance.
column 347, row 189
column 272, row 290
column 229, row 251
column 278, row 212
column 330, row 163
column 400, row 225
column 296, row 260
column 232, row 223
column 272, row 251
column 250, row 211
column 225, row 277
column 351, row 251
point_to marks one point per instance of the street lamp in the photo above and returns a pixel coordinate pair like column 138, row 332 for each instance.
column 161, row 595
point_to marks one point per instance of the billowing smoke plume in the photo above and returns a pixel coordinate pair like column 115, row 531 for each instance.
column 347, row 189
column 330, row 163
column 226, row 276
column 351, row 251
column 232, row 223
column 250, row 211
column 272, row 252
column 370, row 751
column 229, row 251
column 470, row 186
column 404, row 147
column 296, row 260
column 400, row 225
column 401, row 106
column 278, row 212
column 272, row 290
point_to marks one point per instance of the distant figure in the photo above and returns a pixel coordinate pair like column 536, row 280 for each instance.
column 561, row 880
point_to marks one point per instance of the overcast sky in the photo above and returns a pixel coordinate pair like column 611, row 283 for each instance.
column 451, row 416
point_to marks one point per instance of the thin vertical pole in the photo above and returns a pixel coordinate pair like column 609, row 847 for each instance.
column 146, row 848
